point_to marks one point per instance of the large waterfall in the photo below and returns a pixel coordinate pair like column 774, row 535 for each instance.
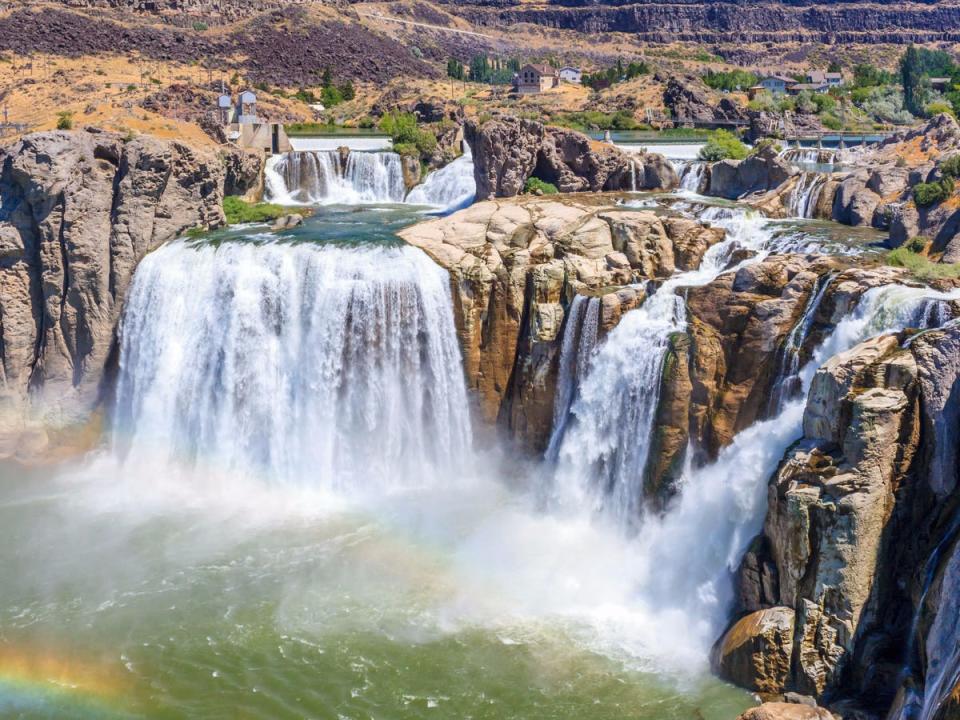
column 321, row 177
column 315, row 365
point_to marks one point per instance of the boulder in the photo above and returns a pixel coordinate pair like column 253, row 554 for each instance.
column 508, row 150
column 759, row 173
column 686, row 100
column 785, row 711
column 755, row 652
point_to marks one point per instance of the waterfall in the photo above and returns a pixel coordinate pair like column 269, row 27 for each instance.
column 809, row 156
column 319, row 177
column 578, row 343
column 450, row 188
column 942, row 646
column 787, row 379
column 603, row 441
column 330, row 367
column 692, row 177
column 689, row 554
column 805, row 194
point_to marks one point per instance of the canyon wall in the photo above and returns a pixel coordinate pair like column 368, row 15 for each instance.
column 78, row 210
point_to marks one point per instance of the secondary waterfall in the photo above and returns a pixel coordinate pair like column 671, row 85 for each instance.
column 602, row 443
column 450, row 188
column 692, row 176
column 805, row 194
column 809, row 156
column 321, row 177
column 321, row 366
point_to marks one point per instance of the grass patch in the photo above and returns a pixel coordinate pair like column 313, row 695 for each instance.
column 533, row 184
column 239, row 211
column 921, row 266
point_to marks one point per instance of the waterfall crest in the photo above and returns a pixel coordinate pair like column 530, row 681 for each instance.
column 450, row 188
column 323, row 366
column 320, row 177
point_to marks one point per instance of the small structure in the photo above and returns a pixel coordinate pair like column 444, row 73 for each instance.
column 534, row 79
column 777, row 84
column 798, row 88
column 225, row 109
column 247, row 108
column 571, row 74
column 754, row 91
column 940, row 84
column 830, row 79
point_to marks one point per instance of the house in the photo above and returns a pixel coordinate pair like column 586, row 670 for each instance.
column 830, row 79
column 571, row 74
column 536, row 79
column 816, row 87
column 777, row 84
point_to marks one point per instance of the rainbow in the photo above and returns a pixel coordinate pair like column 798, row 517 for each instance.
column 44, row 685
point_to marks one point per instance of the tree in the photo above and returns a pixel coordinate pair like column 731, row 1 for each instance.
column 911, row 77
column 619, row 68
column 327, row 80
column 479, row 68
column 834, row 67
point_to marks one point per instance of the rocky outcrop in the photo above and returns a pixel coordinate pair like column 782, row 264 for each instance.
column 862, row 501
column 688, row 102
column 79, row 210
column 756, row 651
column 762, row 172
column 786, row 711
column 508, row 150
column 767, row 124
column 515, row 266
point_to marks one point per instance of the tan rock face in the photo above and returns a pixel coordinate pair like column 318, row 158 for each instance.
column 785, row 711
column 79, row 210
column 755, row 652
column 515, row 266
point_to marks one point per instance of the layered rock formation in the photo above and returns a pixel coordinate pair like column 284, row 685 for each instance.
column 79, row 210
column 508, row 150
column 516, row 265
column 859, row 520
column 759, row 173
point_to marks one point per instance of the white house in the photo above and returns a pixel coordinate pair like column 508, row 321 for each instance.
column 571, row 74
column 830, row 79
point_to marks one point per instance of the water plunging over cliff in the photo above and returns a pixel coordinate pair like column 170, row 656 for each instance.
column 321, row 366
column 692, row 176
column 602, row 444
column 450, row 188
column 321, row 177
column 806, row 193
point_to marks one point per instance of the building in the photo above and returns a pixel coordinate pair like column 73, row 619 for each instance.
column 536, row 79
column 776, row 84
column 830, row 79
column 247, row 108
column 225, row 109
column 571, row 74
column 940, row 84
column 814, row 87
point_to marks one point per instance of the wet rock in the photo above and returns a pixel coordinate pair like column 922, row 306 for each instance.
column 755, row 652
column 785, row 711
column 759, row 173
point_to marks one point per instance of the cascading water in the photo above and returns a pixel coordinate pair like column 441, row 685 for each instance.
column 603, row 442
column 320, row 177
column 321, row 366
column 577, row 345
column 787, row 382
column 806, row 193
column 450, row 188
column 809, row 156
column 692, row 177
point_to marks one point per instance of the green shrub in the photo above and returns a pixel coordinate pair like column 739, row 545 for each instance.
column 927, row 194
column 65, row 120
column 199, row 26
column 366, row 122
column 916, row 244
column 951, row 166
column 403, row 130
column 831, row 121
column 533, row 184
column 723, row 145
column 765, row 143
column 935, row 108
column 922, row 267
column 239, row 211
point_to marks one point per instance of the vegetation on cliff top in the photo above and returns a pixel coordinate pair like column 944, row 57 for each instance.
column 723, row 145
